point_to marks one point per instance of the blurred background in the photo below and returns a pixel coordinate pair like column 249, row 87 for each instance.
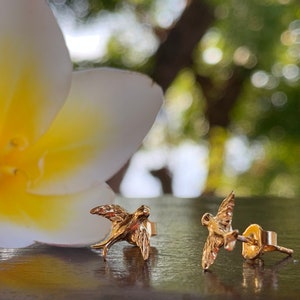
column 230, row 73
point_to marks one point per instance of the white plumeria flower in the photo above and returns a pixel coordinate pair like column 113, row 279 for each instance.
column 62, row 134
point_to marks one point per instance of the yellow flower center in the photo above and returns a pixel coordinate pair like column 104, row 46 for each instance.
column 16, row 204
column 10, row 156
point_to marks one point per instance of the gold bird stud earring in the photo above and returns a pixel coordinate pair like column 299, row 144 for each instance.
column 220, row 231
column 134, row 228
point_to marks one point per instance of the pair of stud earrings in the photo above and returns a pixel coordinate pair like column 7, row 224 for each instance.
column 136, row 229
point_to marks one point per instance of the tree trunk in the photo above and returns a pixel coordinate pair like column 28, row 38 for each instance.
column 174, row 54
column 219, row 107
column 176, row 51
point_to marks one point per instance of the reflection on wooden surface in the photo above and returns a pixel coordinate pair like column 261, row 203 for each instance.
column 256, row 276
column 173, row 270
column 134, row 270
column 48, row 269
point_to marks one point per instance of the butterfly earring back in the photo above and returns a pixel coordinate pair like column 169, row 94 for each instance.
column 257, row 241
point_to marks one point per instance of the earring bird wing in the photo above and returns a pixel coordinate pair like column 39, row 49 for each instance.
column 210, row 250
column 225, row 212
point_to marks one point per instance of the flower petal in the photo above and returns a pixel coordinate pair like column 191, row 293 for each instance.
column 78, row 227
column 106, row 117
column 57, row 220
column 35, row 69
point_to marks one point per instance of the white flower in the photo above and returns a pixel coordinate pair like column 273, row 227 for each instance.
column 62, row 134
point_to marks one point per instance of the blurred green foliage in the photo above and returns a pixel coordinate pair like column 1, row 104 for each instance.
column 258, row 42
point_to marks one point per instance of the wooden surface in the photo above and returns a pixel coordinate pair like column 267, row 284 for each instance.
column 173, row 270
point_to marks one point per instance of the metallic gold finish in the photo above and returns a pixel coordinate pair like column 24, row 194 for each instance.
column 257, row 241
column 134, row 228
column 220, row 231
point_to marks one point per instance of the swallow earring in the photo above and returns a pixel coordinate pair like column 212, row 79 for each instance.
column 134, row 228
column 220, row 231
